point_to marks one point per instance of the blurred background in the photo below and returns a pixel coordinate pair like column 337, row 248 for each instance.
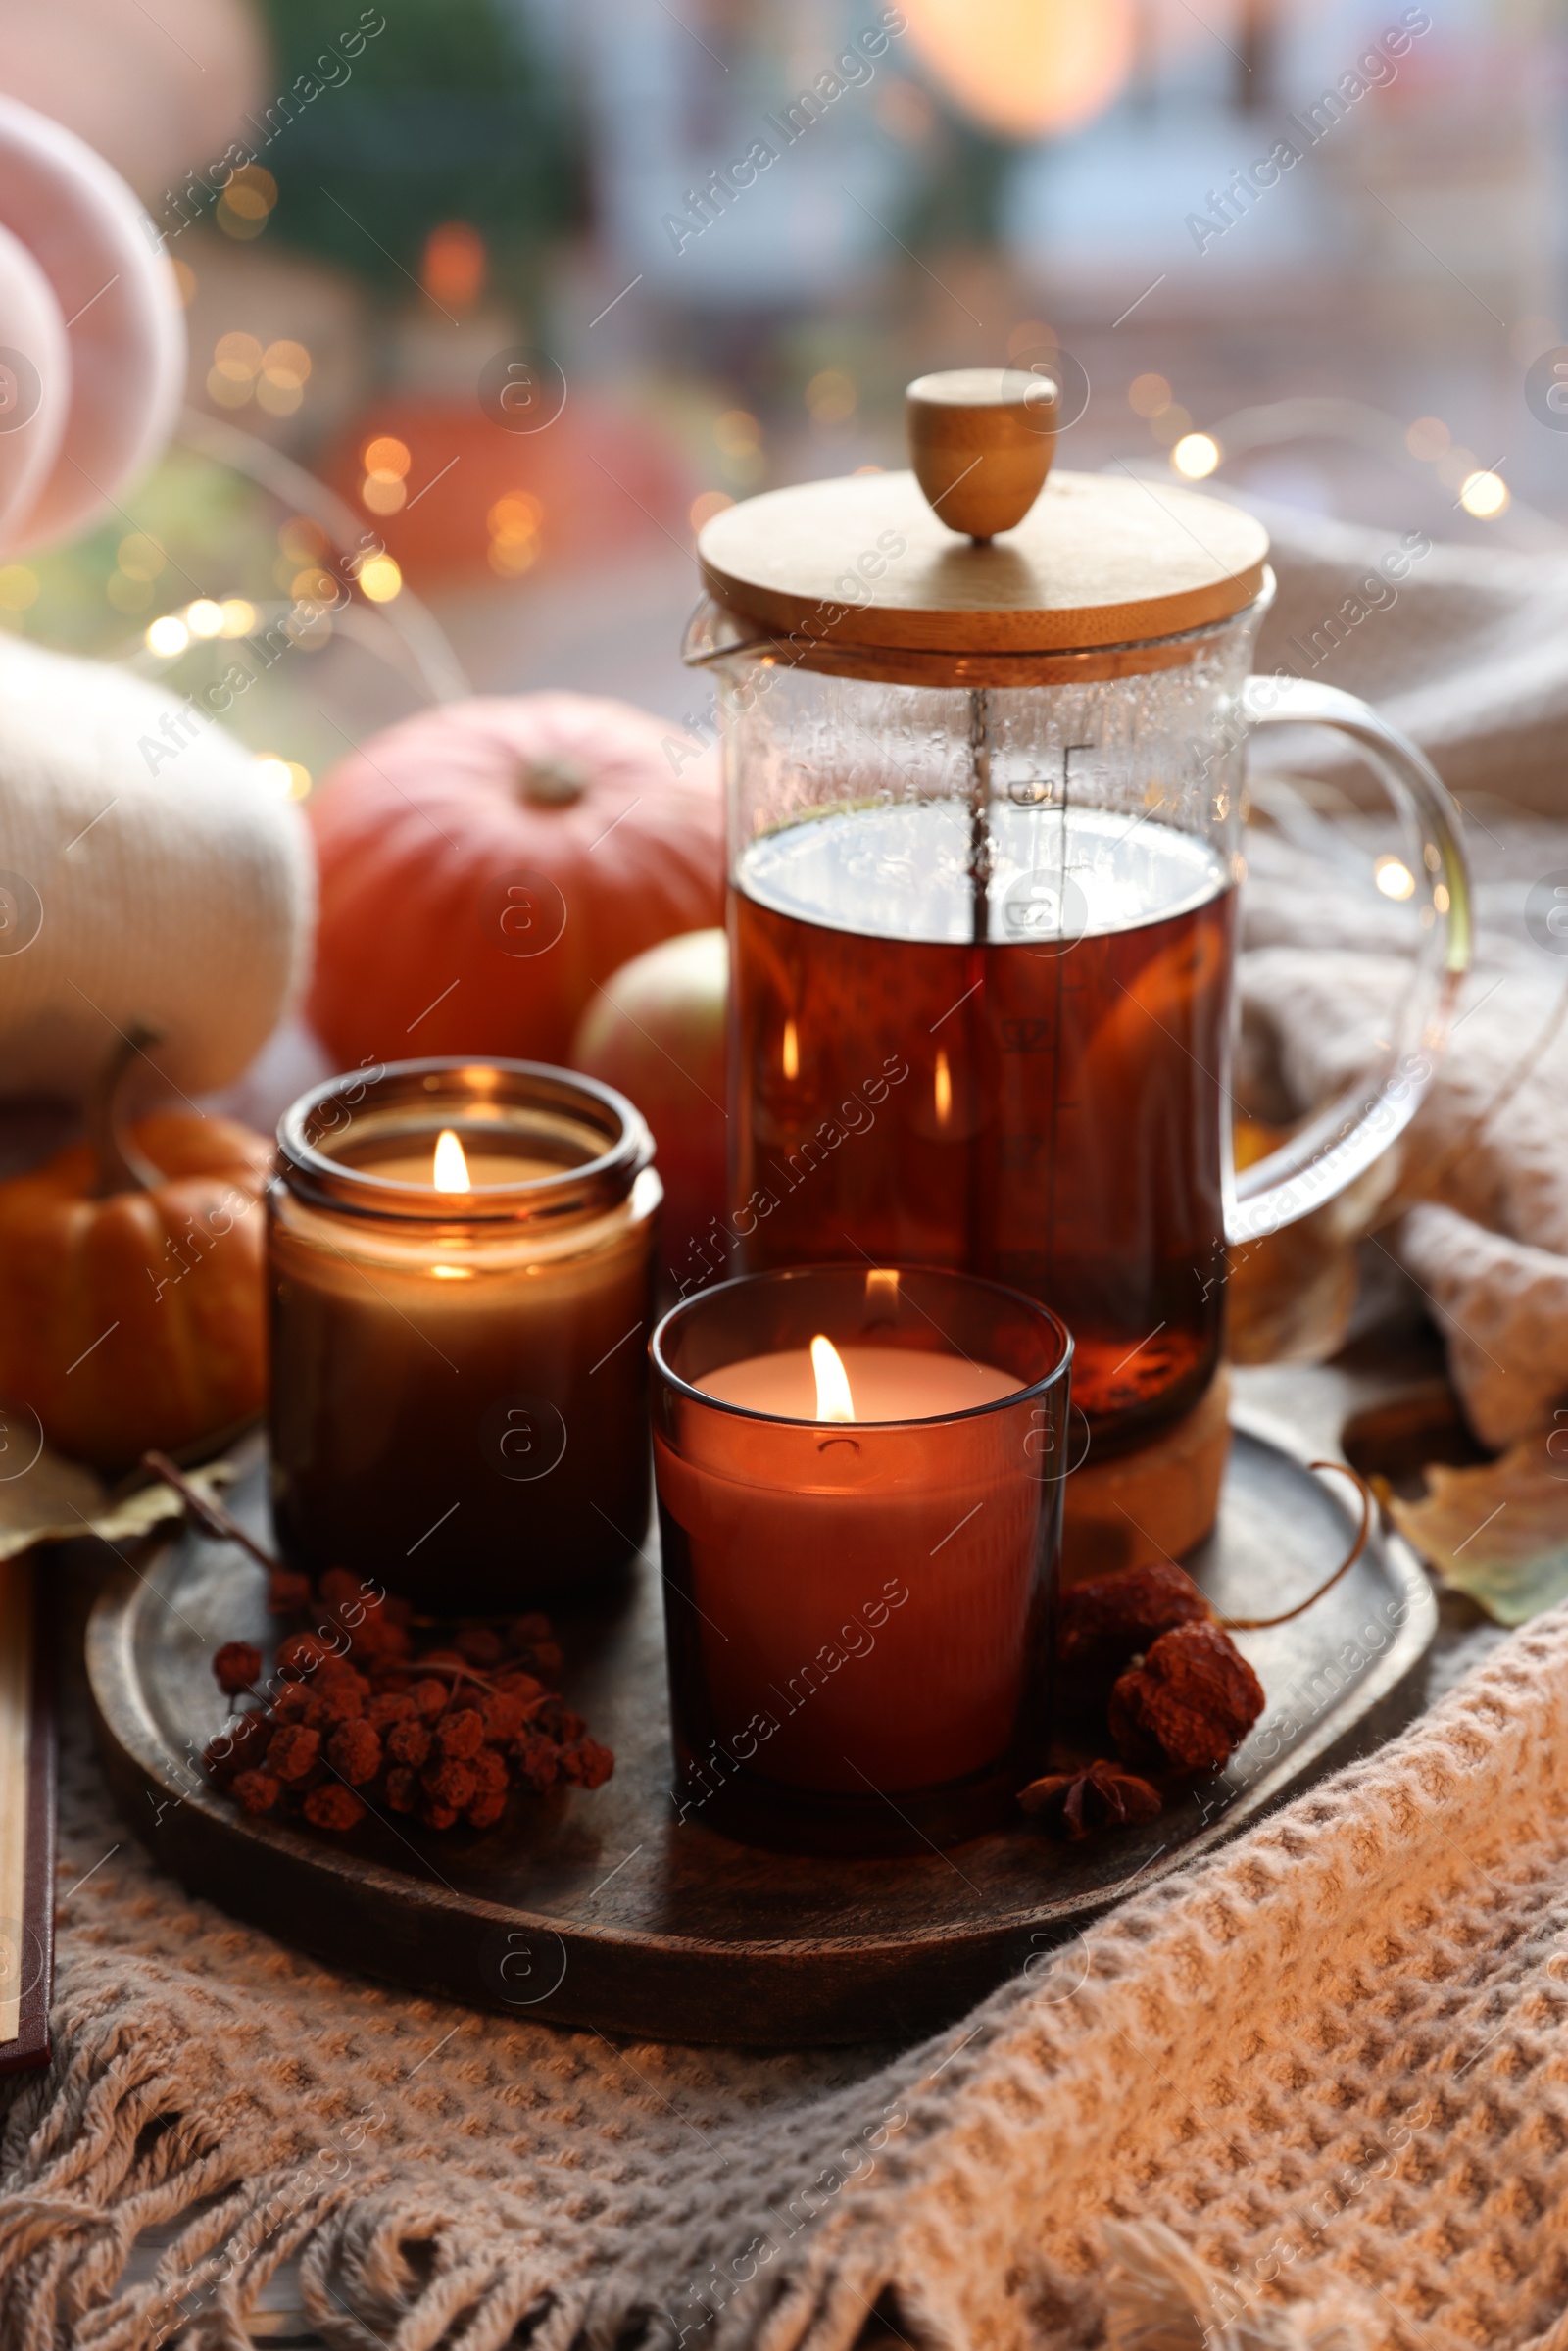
column 509, row 295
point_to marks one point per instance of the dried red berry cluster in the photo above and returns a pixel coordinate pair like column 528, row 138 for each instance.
column 359, row 1717
column 1142, row 1655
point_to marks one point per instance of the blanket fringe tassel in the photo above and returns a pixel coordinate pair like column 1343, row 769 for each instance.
column 1160, row 2297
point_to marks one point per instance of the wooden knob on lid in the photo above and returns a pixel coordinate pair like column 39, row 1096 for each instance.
column 981, row 441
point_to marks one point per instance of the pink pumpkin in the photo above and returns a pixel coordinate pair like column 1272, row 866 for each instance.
column 485, row 866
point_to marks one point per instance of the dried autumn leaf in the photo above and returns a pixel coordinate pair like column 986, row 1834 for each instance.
column 1498, row 1531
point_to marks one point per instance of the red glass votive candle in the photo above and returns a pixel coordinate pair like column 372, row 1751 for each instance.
column 859, row 1587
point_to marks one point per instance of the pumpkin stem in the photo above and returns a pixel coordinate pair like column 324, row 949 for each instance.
column 552, row 783
column 118, row 1165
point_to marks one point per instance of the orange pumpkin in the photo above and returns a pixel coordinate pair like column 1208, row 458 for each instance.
column 137, row 1318
column 484, row 869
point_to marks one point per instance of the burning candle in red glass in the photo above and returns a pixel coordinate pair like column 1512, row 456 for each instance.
column 859, row 1490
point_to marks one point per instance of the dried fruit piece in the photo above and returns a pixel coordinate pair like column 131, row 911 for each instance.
column 454, row 1784
column 355, row 1752
column 584, row 1763
column 255, row 1792
column 537, row 1760
column 503, row 1716
column 294, row 1753
column 459, row 1735
column 336, row 1672
column 237, row 1665
column 515, row 1684
column 1102, row 1795
column 1190, row 1704
column 479, row 1644
column 409, row 1743
column 429, row 1696
column 333, row 1806
column 445, row 1736
column 1105, row 1624
column 335, row 1705
column 300, row 1654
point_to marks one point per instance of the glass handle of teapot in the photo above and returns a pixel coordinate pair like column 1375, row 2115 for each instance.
column 1339, row 1142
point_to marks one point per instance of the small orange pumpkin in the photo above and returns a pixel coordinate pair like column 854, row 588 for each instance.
column 134, row 1317
column 485, row 866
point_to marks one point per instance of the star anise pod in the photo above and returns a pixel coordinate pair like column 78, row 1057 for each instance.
column 1102, row 1795
column 1190, row 1704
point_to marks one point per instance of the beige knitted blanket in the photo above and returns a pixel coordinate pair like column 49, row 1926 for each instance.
column 1329, row 2063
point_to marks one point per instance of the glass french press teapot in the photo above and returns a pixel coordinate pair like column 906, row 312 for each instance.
column 984, row 736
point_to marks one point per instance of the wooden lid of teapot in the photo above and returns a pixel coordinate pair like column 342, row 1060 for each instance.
column 970, row 553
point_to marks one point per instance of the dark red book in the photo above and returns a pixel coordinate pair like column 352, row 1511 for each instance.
column 26, row 1820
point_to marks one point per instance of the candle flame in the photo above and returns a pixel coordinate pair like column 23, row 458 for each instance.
column 451, row 1171
column 792, row 1052
column 944, row 1090
column 833, row 1398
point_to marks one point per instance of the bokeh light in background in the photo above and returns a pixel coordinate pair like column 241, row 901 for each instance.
column 1306, row 254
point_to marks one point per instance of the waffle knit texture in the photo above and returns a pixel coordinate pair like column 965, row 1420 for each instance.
column 1468, row 658
column 1319, row 2082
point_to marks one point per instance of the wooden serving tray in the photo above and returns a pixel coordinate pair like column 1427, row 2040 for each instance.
column 597, row 1909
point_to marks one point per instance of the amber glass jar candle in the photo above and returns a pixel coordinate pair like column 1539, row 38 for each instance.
column 460, row 1264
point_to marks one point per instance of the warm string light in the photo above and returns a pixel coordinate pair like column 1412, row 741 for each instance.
column 450, row 1170
column 833, row 1398
column 1394, row 877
